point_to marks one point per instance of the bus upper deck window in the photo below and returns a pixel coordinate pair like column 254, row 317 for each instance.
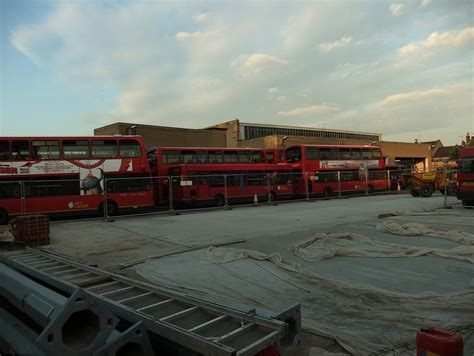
column 104, row 149
column 230, row 156
column 170, row 156
column 293, row 154
column 215, row 156
column 344, row 153
column 47, row 149
column 257, row 157
column 4, row 150
column 75, row 149
column 376, row 153
column 324, row 153
column 356, row 153
column 312, row 153
column 130, row 149
column 366, row 153
column 188, row 156
column 245, row 156
column 20, row 150
column 201, row 156
column 269, row 157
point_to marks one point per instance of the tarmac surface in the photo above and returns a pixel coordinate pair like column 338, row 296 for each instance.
column 173, row 241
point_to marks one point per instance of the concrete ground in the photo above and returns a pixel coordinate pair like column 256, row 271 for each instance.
column 128, row 241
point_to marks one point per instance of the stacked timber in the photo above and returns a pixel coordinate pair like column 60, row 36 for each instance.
column 31, row 230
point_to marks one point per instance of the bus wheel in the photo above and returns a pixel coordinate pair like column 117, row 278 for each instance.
column 426, row 190
column 273, row 197
column 3, row 217
column 112, row 208
column 467, row 203
column 414, row 193
column 452, row 190
column 370, row 189
column 327, row 192
column 219, row 200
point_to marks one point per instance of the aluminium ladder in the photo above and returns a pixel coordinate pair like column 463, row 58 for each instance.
column 201, row 326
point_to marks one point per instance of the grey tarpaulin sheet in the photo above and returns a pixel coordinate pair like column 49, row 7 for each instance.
column 361, row 319
column 329, row 245
column 416, row 229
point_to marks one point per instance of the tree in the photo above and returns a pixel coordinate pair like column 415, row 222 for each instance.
column 454, row 153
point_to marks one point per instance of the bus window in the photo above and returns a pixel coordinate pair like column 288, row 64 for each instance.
column 376, row 153
column 257, row 157
column 230, row 156
column 217, row 180
column 255, row 178
column 188, row 156
column 377, row 175
column 269, row 157
column 48, row 188
column 324, row 153
column 47, row 149
column 130, row 149
column 201, row 156
column 356, row 153
column 281, row 154
column 236, row 179
column 4, row 150
column 75, row 149
column 344, row 153
column 170, row 157
column 335, row 153
column 366, row 153
column 349, row 176
column 104, row 149
column 10, row 190
column 20, row 150
column 215, row 156
column 245, row 156
column 312, row 153
column 467, row 165
column 325, row 177
column 293, row 154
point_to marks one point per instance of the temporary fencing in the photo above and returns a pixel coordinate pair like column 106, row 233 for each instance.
column 111, row 195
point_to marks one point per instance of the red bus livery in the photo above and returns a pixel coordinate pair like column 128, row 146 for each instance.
column 465, row 177
column 63, row 174
column 201, row 184
column 330, row 169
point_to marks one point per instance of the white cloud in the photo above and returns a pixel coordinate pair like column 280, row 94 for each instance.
column 309, row 110
column 329, row 46
column 397, row 9
column 273, row 90
column 415, row 52
column 436, row 40
column 281, row 98
column 256, row 63
column 419, row 95
column 425, row 2
column 201, row 17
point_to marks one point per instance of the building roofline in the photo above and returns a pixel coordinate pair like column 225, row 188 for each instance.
column 310, row 128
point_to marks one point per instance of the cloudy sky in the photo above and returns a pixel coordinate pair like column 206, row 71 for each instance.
column 403, row 68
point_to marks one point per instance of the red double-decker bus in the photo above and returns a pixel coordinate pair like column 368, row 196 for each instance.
column 329, row 169
column 465, row 177
column 211, row 184
column 68, row 174
column 163, row 158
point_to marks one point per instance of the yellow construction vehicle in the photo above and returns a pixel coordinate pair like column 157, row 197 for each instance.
column 424, row 184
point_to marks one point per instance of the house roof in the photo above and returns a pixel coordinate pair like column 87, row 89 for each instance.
column 443, row 152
